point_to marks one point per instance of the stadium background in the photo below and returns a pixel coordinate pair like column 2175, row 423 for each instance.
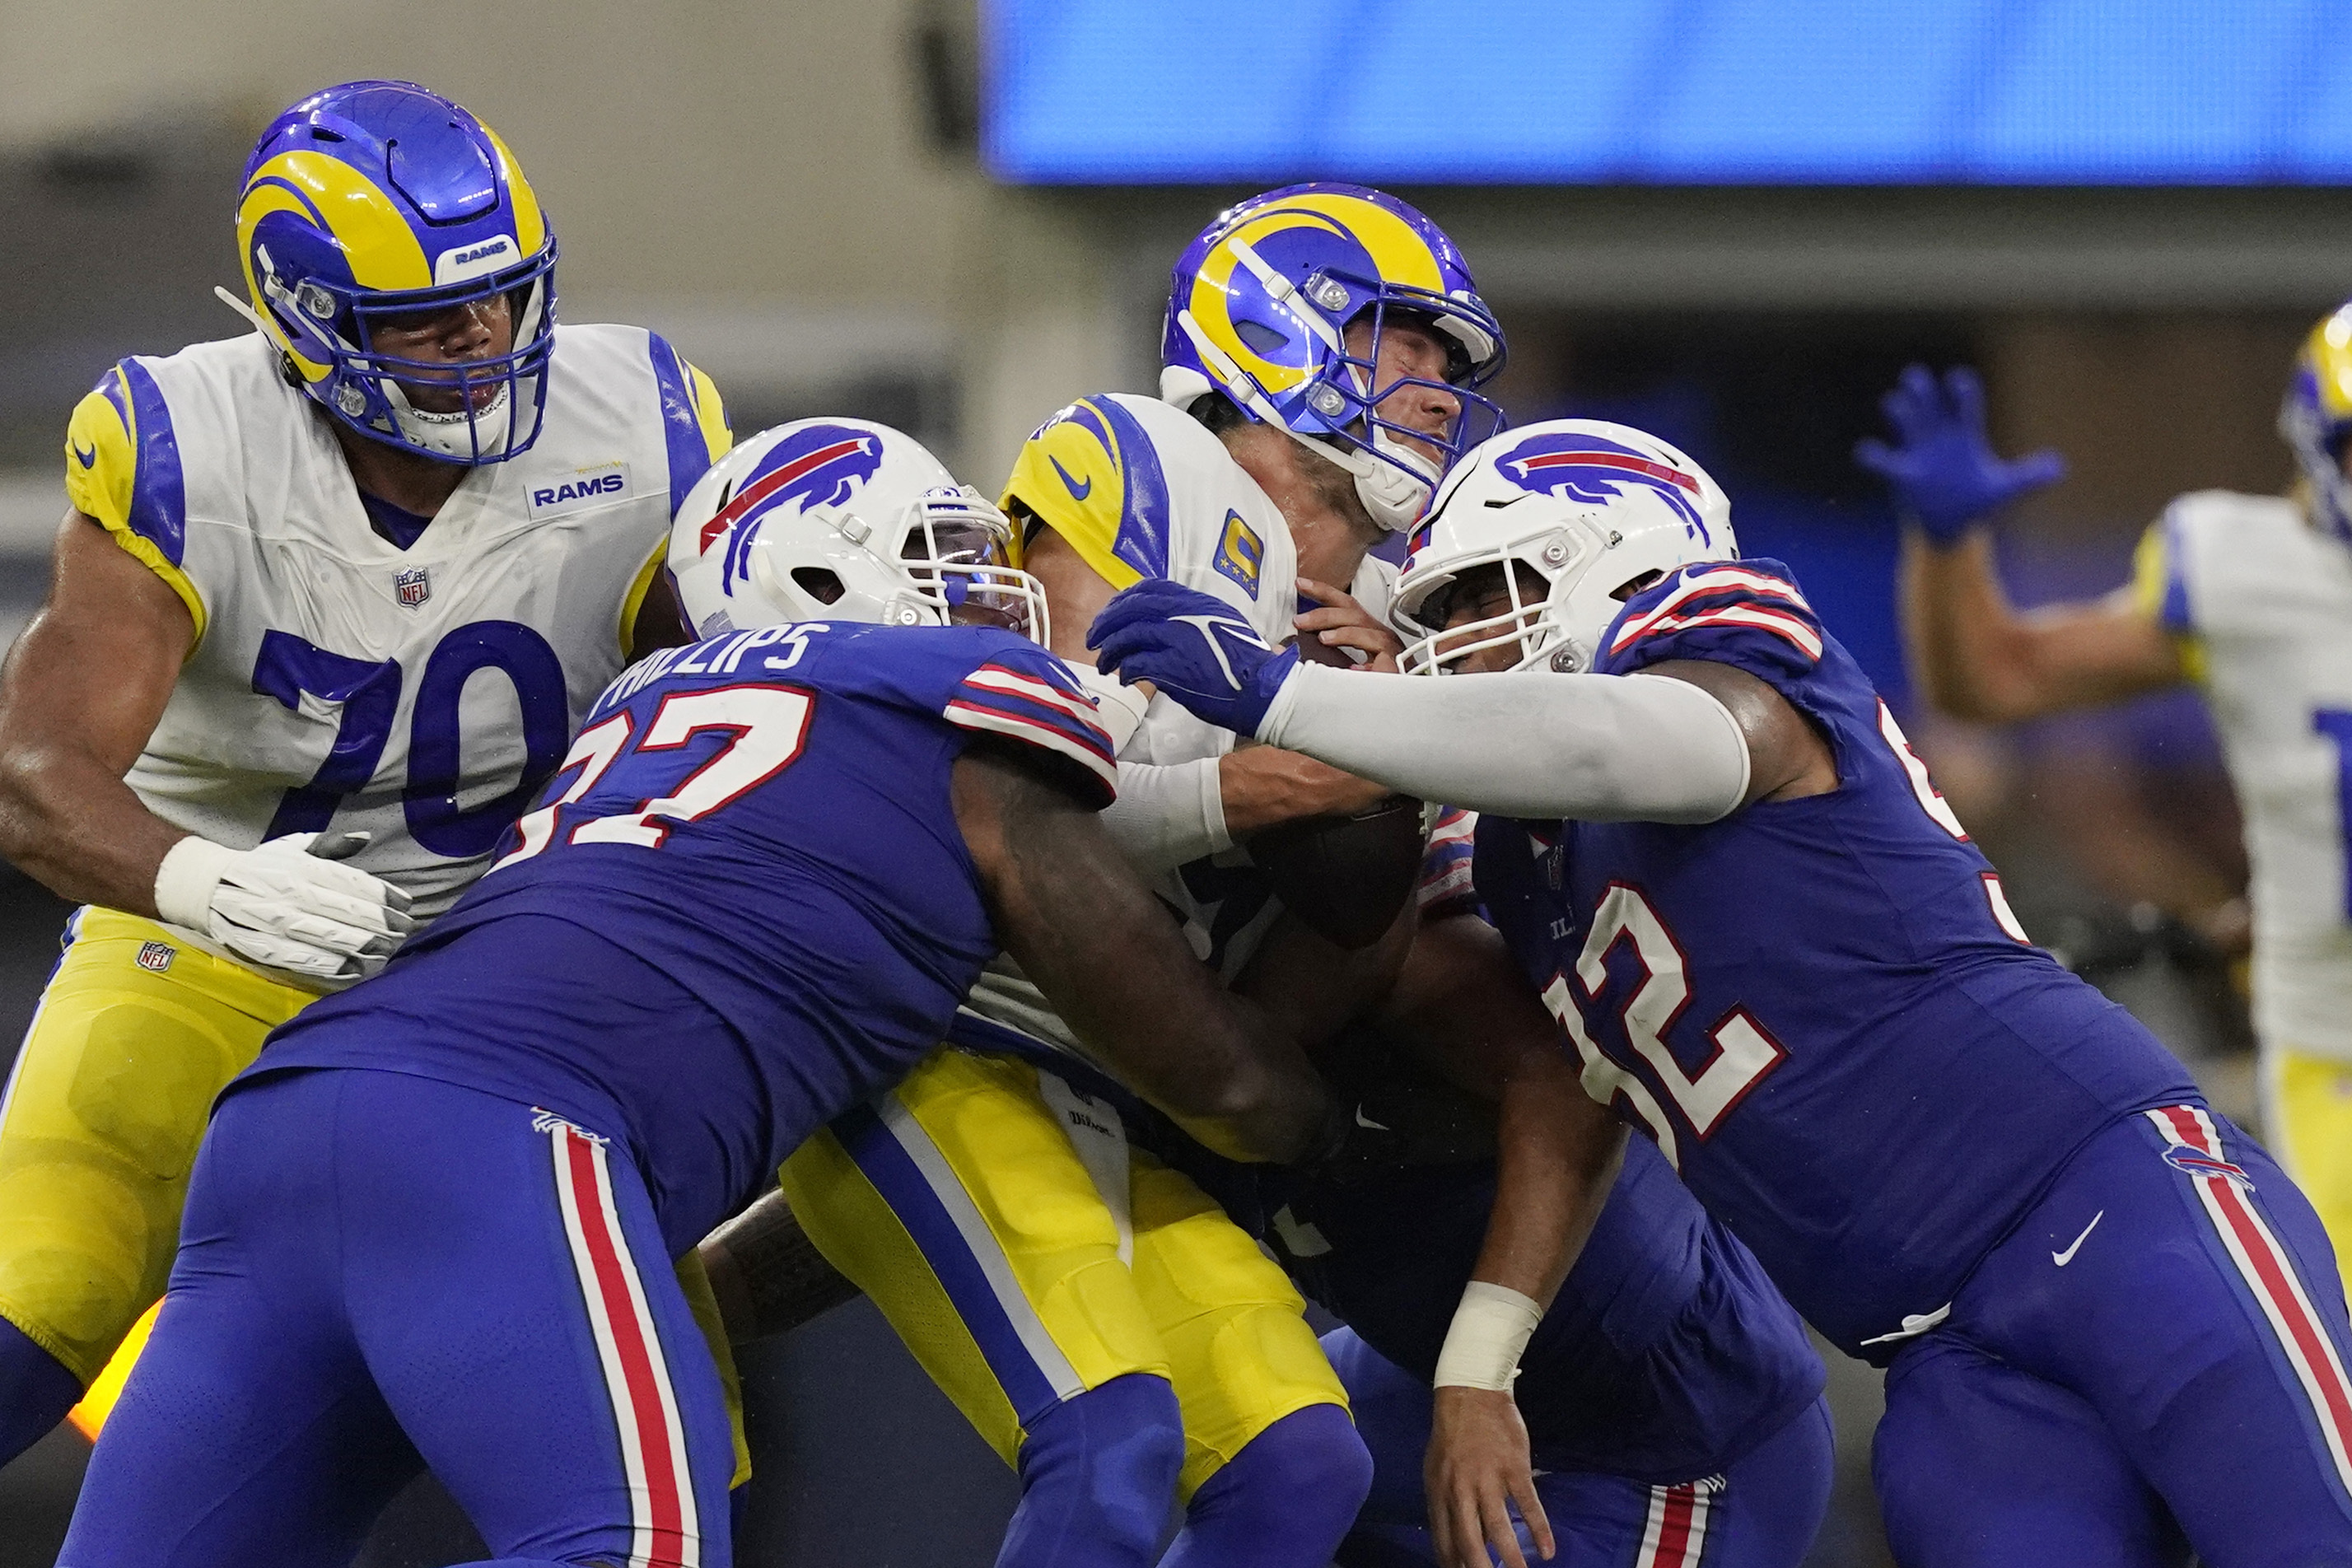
column 1728, row 221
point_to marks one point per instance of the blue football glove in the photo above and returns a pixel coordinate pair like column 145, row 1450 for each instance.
column 1945, row 474
column 1194, row 647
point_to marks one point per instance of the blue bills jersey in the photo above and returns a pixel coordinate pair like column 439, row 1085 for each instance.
column 1821, row 1009
column 761, row 825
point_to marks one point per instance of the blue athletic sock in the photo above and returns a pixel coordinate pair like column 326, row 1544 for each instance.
column 1097, row 1475
column 35, row 1392
column 1283, row 1501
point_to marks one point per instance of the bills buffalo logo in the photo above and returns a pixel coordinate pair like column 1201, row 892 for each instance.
column 1588, row 469
column 156, row 956
column 2196, row 1163
column 819, row 465
column 414, row 586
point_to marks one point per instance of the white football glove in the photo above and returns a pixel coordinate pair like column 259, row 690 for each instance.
column 285, row 905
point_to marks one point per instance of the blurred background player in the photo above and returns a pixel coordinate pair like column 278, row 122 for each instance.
column 2247, row 597
column 1956, row 1159
column 770, row 869
column 289, row 557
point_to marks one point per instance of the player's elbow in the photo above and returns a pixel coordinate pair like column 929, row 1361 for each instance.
column 2002, row 688
column 1251, row 1116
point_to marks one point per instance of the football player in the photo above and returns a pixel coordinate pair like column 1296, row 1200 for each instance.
column 330, row 602
column 1086, row 1297
column 2247, row 597
column 769, row 869
column 1772, row 947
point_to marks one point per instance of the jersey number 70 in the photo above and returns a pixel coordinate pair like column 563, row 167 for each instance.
column 766, row 726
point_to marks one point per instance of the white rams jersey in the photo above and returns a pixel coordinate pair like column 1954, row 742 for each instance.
column 420, row 694
column 2263, row 603
column 1140, row 489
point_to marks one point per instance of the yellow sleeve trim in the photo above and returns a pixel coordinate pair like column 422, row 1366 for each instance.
column 2158, row 594
column 635, row 599
column 101, row 469
column 709, row 411
column 1070, row 478
column 173, row 578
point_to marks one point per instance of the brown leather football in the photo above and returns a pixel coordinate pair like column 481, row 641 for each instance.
column 1347, row 876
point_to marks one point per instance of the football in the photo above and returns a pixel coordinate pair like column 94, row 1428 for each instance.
column 1346, row 877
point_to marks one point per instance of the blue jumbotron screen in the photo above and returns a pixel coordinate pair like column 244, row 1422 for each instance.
column 1671, row 91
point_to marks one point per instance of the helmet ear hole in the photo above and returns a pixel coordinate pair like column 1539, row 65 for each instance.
column 818, row 584
column 1262, row 340
column 1633, row 585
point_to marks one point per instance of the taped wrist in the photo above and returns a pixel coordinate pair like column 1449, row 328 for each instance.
column 1489, row 1332
column 187, row 879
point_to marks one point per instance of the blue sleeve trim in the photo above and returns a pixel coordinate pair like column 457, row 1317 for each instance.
column 159, row 501
column 689, row 453
column 2172, row 611
column 1144, row 511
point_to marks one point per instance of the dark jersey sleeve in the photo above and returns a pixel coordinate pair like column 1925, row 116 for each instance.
column 1024, row 694
column 1746, row 614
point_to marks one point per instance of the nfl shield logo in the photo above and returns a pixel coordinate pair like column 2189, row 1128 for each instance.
column 414, row 586
column 157, row 955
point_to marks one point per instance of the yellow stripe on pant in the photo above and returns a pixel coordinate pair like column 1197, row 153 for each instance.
column 136, row 1035
column 960, row 1204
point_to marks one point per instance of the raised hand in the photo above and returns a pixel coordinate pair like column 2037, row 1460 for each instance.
column 1196, row 649
column 1943, row 470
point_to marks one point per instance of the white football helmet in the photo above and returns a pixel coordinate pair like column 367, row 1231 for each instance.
column 1596, row 512
column 844, row 519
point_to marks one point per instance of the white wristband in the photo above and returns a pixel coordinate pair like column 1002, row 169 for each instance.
column 185, row 881
column 1119, row 708
column 1490, row 1329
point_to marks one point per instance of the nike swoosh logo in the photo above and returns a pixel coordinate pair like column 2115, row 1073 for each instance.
column 89, row 458
column 2064, row 1258
column 1364, row 1121
column 1077, row 492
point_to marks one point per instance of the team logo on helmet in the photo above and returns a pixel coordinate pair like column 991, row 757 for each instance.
column 820, row 466
column 1588, row 469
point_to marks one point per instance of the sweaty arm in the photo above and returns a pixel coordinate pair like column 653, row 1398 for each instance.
column 1467, row 1009
column 1085, row 928
column 81, row 693
column 1602, row 748
column 1978, row 657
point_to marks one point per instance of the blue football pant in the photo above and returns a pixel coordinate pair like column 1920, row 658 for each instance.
column 1762, row 1513
column 379, row 1272
column 2152, row 1362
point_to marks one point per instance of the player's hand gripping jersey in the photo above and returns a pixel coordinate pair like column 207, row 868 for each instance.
column 1870, row 1080
column 2263, row 601
column 678, row 832
column 419, row 689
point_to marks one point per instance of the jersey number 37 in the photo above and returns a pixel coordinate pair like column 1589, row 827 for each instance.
column 764, row 726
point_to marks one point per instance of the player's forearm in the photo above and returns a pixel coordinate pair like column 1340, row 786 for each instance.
column 1526, row 744
column 1558, row 1157
column 1967, row 645
column 73, row 825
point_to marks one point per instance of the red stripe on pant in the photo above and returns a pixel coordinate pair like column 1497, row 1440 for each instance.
column 2269, row 1271
column 1675, row 1536
column 666, row 1518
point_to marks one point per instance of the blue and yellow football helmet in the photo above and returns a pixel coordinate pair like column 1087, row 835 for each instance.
column 379, row 199
column 2316, row 420
column 1259, row 306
